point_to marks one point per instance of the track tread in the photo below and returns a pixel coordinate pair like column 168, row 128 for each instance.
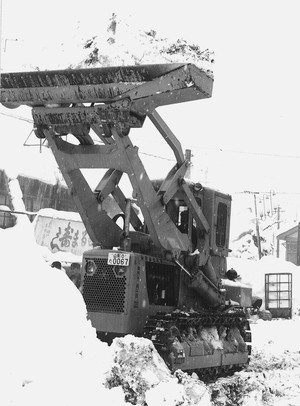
column 157, row 329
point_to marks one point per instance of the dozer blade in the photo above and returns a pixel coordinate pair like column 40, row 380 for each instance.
column 146, row 86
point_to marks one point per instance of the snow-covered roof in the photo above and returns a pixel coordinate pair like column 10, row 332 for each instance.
column 59, row 214
column 290, row 234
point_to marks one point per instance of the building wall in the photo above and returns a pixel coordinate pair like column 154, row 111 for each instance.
column 6, row 220
column 291, row 252
column 37, row 195
column 40, row 195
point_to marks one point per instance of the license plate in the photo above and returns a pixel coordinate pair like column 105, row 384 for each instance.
column 118, row 258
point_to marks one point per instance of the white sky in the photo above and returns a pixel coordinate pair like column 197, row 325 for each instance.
column 254, row 107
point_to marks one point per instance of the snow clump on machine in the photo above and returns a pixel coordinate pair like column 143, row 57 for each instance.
column 123, row 43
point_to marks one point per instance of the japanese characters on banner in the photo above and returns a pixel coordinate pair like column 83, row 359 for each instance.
column 66, row 234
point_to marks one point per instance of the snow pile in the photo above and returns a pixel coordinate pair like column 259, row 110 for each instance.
column 50, row 354
column 136, row 367
column 28, row 161
column 65, row 258
column 143, row 375
column 272, row 377
column 240, row 389
column 117, row 41
column 49, row 351
column 276, row 358
column 243, row 234
column 246, row 246
column 124, row 43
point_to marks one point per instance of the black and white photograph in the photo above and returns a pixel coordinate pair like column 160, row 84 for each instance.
column 149, row 203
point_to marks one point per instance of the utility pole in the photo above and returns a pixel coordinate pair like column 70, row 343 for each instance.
column 278, row 226
column 277, row 209
column 264, row 207
column 188, row 158
column 272, row 193
column 256, row 222
column 257, row 228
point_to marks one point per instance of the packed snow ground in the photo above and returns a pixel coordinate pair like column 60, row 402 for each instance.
column 50, row 354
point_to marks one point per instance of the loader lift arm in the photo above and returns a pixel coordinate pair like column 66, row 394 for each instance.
column 111, row 101
column 176, row 258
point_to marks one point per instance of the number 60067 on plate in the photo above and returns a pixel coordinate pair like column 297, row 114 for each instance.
column 118, row 258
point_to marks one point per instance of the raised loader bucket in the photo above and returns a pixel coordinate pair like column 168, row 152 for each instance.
column 110, row 101
column 148, row 86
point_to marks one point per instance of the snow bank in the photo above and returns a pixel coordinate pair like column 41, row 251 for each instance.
column 30, row 162
column 50, row 354
column 190, row 392
column 62, row 257
column 141, row 372
column 59, row 214
column 49, row 351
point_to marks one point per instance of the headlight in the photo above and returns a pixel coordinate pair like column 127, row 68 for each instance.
column 119, row 270
column 90, row 267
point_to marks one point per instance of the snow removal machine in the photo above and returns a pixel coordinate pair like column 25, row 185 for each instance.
column 161, row 273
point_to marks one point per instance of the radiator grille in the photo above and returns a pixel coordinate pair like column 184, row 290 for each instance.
column 103, row 291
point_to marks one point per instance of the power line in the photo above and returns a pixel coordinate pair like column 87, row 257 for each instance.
column 31, row 121
column 174, row 160
column 247, row 152
column 159, row 157
column 194, row 147
column 17, row 117
column 265, row 192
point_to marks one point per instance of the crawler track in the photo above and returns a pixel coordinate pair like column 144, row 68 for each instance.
column 181, row 339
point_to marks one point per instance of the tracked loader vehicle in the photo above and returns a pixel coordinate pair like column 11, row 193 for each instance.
column 162, row 274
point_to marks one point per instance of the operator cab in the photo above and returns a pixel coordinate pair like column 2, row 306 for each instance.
column 214, row 206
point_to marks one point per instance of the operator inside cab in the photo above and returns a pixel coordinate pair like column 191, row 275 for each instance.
column 184, row 223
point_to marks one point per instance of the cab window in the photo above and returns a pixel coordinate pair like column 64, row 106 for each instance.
column 221, row 225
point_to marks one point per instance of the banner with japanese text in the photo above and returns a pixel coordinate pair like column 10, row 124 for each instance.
column 58, row 234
